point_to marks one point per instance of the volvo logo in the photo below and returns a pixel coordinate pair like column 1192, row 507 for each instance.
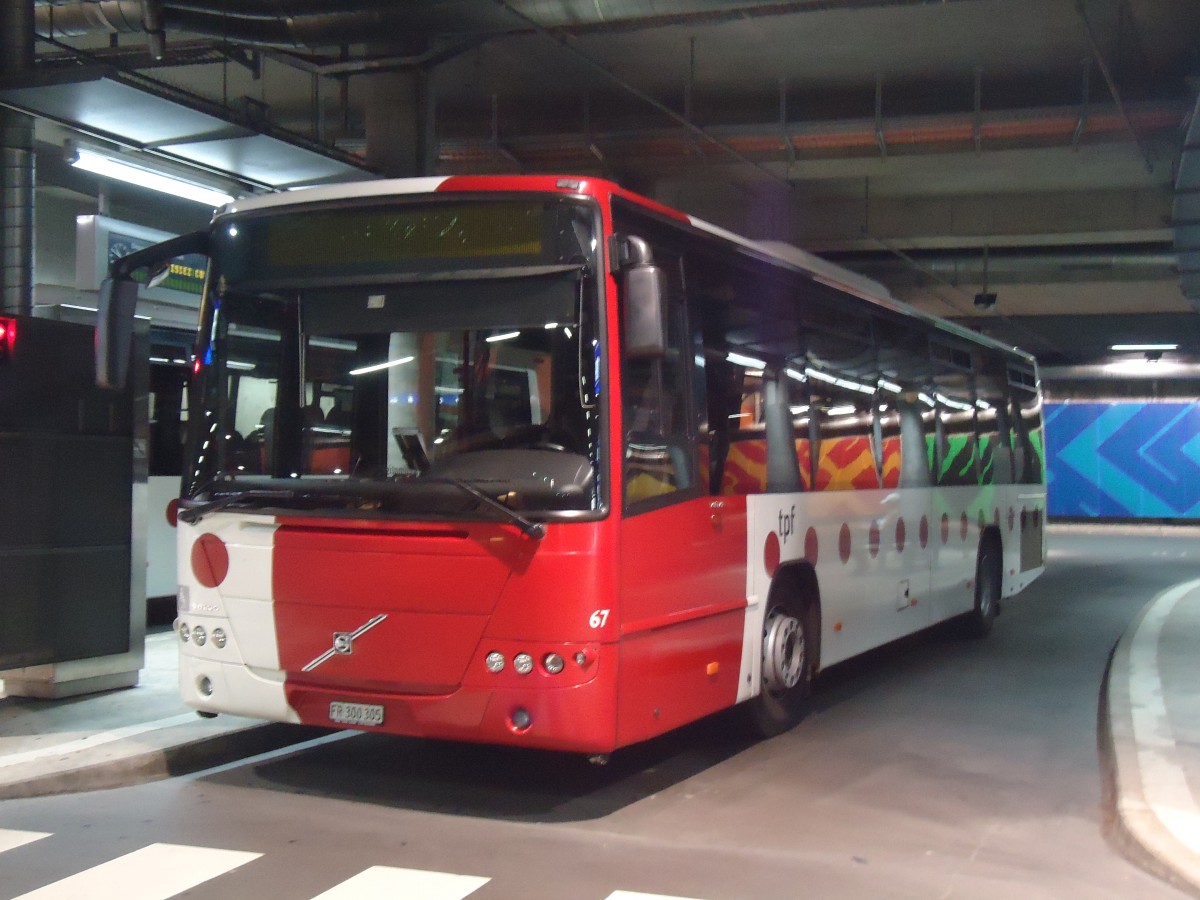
column 343, row 642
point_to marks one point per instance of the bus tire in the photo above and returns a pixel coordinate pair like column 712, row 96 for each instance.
column 787, row 669
column 988, row 583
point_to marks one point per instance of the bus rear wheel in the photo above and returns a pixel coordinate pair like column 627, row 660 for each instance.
column 786, row 671
column 988, row 576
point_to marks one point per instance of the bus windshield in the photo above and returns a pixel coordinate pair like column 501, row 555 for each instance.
column 350, row 359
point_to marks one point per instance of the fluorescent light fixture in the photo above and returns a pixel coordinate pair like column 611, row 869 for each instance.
column 1144, row 367
column 507, row 336
column 954, row 404
column 748, row 362
column 798, row 376
column 839, row 382
column 106, row 166
column 1143, row 348
column 846, row 410
column 383, row 365
column 92, row 309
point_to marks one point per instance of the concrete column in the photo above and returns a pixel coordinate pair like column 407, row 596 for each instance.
column 16, row 165
column 399, row 124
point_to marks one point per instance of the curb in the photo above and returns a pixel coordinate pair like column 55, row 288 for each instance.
column 176, row 754
column 1137, row 821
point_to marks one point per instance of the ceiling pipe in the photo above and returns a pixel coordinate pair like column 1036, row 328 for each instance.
column 324, row 23
column 1046, row 127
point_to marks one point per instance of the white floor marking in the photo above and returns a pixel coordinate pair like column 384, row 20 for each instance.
column 94, row 740
column 152, row 873
column 10, row 840
column 1163, row 782
column 635, row 895
column 389, row 883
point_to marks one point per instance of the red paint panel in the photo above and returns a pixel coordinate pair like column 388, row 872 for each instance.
column 577, row 718
column 406, row 653
column 665, row 680
column 436, row 588
column 684, row 557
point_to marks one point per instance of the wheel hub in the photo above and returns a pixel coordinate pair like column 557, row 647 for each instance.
column 784, row 658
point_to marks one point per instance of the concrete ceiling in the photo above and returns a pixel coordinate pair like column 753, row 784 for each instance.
column 911, row 140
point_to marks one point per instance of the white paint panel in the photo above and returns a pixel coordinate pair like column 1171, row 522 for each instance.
column 152, row 873
column 160, row 536
column 11, row 839
column 236, row 689
column 380, row 188
column 864, row 593
column 252, row 626
column 389, row 883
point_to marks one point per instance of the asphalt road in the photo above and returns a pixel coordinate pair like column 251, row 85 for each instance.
column 940, row 767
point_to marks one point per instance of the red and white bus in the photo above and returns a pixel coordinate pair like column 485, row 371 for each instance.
column 537, row 461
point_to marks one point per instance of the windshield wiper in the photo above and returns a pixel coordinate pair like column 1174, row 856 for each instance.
column 194, row 514
column 535, row 530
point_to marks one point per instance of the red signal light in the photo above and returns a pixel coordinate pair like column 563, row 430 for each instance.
column 8, row 338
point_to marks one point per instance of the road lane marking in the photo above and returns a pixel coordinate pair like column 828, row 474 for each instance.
column 389, row 882
column 155, row 872
column 11, row 839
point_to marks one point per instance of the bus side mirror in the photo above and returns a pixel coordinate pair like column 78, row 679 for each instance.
column 644, row 291
column 114, row 331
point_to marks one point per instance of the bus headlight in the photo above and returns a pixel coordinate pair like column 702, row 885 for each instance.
column 219, row 638
column 553, row 663
column 199, row 636
column 494, row 662
column 523, row 663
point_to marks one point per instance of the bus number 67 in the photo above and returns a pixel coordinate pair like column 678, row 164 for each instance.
column 598, row 618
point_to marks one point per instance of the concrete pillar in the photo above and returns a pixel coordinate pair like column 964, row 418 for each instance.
column 16, row 165
column 399, row 124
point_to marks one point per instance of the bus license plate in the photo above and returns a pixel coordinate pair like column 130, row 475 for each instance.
column 355, row 713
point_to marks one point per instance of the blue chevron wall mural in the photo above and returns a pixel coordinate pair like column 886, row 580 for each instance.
column 1123, row 460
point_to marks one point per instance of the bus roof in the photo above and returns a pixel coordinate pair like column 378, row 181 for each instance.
column 822, row 270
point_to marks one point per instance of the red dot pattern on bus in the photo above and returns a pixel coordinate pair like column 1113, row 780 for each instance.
column 873, row 539
column 812, row 546
column 210, row 560
column 771, row 554
column 772, row 551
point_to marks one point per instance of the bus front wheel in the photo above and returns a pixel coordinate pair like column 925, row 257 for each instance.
column 786, row 671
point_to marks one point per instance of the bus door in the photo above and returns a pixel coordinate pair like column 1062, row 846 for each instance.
column 683, row 551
